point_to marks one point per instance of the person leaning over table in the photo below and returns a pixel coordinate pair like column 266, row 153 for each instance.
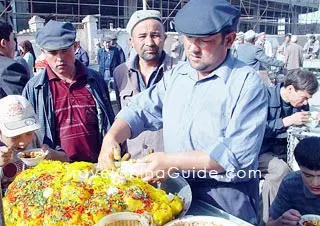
column 71, row 101
column 288, row 106
column 18, row 132
column 299, row 192
column 212, row 110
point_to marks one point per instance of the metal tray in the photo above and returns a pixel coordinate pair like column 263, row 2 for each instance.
column 178, row 185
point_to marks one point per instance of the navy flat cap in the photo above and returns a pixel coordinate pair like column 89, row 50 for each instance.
column 200, row 18
column 56, row 35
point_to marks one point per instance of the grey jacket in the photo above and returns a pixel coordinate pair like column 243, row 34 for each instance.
column 127, row 86
column 293, row 56
column 254, row 56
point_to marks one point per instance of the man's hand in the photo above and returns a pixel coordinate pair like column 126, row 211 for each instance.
column 158, row 168
column 290, row 217
column 297, row 119
column 5, row 155
column 110, row 151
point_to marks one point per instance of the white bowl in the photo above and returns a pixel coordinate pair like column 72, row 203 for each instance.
column 310, row 217
column 32, row 161
column 201, row 221
column 125, row 219
column 313, row 121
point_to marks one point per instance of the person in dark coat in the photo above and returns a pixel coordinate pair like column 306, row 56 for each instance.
column 114, row 43
column 287, row 106
column 13, row 76
column 108, row 60
column 81, row 54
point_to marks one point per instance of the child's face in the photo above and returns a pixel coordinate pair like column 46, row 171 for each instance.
column 17, row 142
column 311, row 179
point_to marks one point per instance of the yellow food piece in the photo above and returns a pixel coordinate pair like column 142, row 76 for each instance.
column 117, row 153
column 64, row 194
column 176, row 206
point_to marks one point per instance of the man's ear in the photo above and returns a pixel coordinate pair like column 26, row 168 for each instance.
column 3, row 43
column 131, row 42
column 229, row 39
column 165, row 36
column 290, row 88
column 75, row 46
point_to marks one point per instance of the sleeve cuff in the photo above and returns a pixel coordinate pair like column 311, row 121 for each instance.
column 279, row 124
column 133, row 121
column 221, row 153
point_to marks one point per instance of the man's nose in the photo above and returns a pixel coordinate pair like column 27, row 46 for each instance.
column 149, row 40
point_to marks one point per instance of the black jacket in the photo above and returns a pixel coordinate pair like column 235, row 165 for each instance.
column 13, row 77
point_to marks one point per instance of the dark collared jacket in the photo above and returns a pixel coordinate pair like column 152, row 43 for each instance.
column 38, row 92
column 275, row 128
column 108, row 63
column 13, row 77
column 82, row 56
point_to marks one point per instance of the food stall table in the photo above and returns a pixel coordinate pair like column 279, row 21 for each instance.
column 295, row 134
column 204, row 209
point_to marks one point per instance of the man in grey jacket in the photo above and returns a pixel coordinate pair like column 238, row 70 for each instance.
column 254, row 55
column 146, row 68
column 293, row 55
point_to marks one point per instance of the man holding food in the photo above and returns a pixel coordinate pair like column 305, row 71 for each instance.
column 212, row 109
column 288, row 106
column 18, row 132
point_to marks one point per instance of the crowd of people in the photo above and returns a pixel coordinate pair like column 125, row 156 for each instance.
column 209, row 112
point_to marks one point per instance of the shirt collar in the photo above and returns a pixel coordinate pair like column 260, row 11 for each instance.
column 133, row 64
column 274, row 96
column 223, row 71
column 81, row 71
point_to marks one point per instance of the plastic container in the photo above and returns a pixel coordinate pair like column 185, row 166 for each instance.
column 32, row 161
column 315, row 219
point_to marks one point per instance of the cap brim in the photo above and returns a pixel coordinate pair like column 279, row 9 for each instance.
column 197, row 35
column 12, row 129
column 57, row 48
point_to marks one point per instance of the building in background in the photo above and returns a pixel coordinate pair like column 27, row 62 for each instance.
column 270, row 16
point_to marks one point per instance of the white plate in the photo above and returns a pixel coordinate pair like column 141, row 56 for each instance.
column 309, row 217
column 201, row 221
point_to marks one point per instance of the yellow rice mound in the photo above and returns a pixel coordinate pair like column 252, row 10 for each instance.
column 55, row 193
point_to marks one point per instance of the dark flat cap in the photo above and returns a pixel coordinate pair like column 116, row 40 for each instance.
column 201, row 18
column 56, row 35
